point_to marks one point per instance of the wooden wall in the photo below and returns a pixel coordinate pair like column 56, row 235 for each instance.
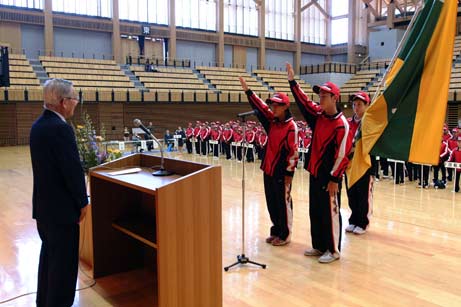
column 8, row 130
column 239, row 56
column 152, row 49
column 17, row 118
column 10, row 33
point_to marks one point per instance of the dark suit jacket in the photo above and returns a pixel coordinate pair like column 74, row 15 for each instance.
column 59, row 182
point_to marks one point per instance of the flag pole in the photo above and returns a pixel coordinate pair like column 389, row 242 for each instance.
column 399, row 48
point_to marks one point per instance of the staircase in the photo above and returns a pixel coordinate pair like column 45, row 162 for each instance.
column 126, row 70
column 39, row 71
column 269, row 88
column 204, row 80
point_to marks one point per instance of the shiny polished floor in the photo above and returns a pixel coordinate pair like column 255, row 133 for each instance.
column 410, row 255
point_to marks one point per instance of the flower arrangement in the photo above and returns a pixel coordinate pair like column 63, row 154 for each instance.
column 90, row 147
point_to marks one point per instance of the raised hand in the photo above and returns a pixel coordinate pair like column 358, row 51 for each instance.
column 290, row 72
column 243, row 83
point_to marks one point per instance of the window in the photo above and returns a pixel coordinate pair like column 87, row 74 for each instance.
column 280, row 19
column 313, row 24
column 196, row 14
column 339, row 31
column 339, row 7
column 100, row 8
column 31, row 4
column 151, row 11
column 241, row 17
column 340, row 22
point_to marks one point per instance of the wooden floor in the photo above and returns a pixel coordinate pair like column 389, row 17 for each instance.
column 410, row 256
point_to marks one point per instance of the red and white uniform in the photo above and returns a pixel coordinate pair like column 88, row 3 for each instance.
column 326, row 162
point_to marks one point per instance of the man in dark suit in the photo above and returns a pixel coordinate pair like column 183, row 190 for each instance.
column 59, row 196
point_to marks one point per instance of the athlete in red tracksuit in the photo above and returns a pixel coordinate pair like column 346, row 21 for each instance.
column 444, row 155
column 326, row 162
column 197, row 137
column 215, row 135
column 452, row 144
column 446, row 133
column 455, row 156
column 360, row 195
column 262, row 141
column 189, row 135
column 250, row 139
column 205, row 132
column 279, row 162
column 237, row 135
column 227, row 139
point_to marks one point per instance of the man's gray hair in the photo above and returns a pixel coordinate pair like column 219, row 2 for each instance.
column 55, row 90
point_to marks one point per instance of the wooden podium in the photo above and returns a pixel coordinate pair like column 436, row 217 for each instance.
column 169, row 224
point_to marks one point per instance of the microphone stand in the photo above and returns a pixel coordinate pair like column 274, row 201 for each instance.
column 242, row 259
column 162, row 171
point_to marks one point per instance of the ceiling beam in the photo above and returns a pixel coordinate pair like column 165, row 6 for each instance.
column 370, row 7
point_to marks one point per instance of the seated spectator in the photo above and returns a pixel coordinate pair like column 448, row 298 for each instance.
column 169, row 140
column 137, row 142
column 148, row 66
column 126, row 134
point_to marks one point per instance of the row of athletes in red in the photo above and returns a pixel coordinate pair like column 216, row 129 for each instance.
column 233, row 132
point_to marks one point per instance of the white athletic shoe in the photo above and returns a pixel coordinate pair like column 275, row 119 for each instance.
column 312, row 252
column 350, row 228
column 359, row 230
column 328, row 257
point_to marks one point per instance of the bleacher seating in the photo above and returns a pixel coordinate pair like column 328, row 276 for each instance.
column 457, row 47
column 172, row 84
column 226, row 81
column 89, row 74
column 22, row 75
column 372, row 89
column 174, row 79
column 277, row 80
column 359, row 81
column 455, row 80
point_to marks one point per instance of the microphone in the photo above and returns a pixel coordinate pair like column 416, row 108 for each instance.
column 252, row 112
column 162, row 171
column 138, row 123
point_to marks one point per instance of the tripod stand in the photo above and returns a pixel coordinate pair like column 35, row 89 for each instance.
column 242, row 259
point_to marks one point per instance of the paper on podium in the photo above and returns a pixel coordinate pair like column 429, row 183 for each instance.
column 125, row 171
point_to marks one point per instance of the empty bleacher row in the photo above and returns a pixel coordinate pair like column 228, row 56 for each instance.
column 21, row 73
column 226, row 80
column 457, row 47
column 359, row 81
column 87, row 73
column 277, row 81
column 165, row 79
column 104, row 80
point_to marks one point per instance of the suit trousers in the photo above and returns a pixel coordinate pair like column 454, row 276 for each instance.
column 58, row 265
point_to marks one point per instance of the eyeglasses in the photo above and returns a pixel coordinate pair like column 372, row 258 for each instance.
column 78, row 99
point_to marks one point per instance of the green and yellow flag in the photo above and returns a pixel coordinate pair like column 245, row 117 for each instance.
column 405, row 122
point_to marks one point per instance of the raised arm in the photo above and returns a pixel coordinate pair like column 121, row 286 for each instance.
column 264, row 114
column 307, row 107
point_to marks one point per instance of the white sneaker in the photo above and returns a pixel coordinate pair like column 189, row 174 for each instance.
column 328, row 257
column 359, row 230
column 350, row 228
column 312, row 252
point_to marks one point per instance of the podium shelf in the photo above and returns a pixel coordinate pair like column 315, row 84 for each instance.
column 140, row 228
